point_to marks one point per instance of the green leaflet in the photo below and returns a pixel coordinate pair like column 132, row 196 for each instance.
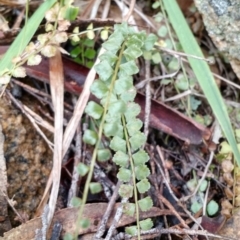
column 132, row 52
column 131, row 230
column 126, row 191
column 145, row 203
column 134, row 125
column 103, row 154
column 99, row 89
column 132, row 111
column 124, row 174
column 146, row 224
column 94, row 110
column 140, row 157
column 137, row 140
column 142, row 171
column 118, row 144
column 121, row 159
column 104, row 70
column 90, row 137
column 128, row 68
column 110, row 57
column 129, row 209
column 95, row 187
column 150, row 41
column 82, row 169
column 143, row 186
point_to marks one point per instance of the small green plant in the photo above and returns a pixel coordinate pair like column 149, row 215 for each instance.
column 117, row 116
column 197, row 200
column 58, row 19
column 83, row 52
column 83, row 44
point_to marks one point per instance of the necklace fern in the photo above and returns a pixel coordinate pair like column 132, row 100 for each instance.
column 117, row 113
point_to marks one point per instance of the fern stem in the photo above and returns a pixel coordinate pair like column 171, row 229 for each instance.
column 133, row 175
column 94, row 156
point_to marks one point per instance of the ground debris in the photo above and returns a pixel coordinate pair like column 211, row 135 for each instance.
column 28, row 159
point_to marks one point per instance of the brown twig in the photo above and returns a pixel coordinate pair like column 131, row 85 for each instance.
column 11, row 204
column 202, row 178
column 160, row 231
column 170, row 207
column 75, row 175
column 116, row 219
column 148, row 99
column 46, row 98
column 173, row 195
column 108, row 212
column 130, row 11
column 79, row 108
column 19, row 19
column 157, row 191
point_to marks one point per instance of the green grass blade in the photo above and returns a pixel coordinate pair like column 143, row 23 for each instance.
column 202, row 72
column 25, row 36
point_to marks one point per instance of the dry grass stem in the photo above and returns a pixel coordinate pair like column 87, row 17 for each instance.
column 75, row 175
column 28, row 113
column 79, row 108
column 107, row 214
column 202, row 178
column 148, row 99
column 39, row 120
column 130, row 11
column 57, row 91
column 117, row 218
